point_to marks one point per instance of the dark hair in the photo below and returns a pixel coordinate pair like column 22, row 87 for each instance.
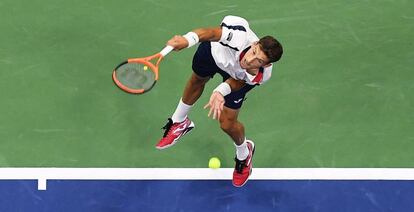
column 271, row 47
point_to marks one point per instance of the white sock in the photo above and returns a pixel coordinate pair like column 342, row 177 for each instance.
column 181, row 112
column 242, row 151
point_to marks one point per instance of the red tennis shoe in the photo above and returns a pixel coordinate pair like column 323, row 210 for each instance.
column 173, row 132
column 243, row 168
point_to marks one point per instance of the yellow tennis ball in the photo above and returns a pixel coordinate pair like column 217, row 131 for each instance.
column 145, row 68
column 214, row 163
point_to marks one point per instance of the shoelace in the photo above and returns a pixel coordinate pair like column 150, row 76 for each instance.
column 167, row 127
column 240, row 164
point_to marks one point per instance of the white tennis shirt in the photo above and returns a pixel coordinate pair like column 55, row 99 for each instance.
column 237, row 36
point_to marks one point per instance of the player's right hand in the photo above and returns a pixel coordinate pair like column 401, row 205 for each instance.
column 178, row 42
column 215, row 104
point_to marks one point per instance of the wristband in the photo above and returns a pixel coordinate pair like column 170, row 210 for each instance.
column 224, row 88
column 192, row 39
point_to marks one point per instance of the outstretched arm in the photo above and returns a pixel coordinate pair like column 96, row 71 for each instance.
column 204, row 34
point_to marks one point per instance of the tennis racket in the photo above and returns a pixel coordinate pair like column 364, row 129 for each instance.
column 139, row 75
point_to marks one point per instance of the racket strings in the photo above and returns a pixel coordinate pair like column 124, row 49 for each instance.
column 135, row 76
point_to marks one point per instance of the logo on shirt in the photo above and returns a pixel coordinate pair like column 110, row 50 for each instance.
column 230, row 36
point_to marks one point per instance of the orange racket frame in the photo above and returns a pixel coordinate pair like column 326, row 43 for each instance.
column 146, row 61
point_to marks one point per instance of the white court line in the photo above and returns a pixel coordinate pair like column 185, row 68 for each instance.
column 44, row 174
column 41, row 184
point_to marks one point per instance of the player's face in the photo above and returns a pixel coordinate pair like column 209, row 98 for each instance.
column 254, row 58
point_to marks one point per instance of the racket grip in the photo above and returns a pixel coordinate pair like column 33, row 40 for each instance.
column 166, row 50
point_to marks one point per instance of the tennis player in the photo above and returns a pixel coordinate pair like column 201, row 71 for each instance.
column 244, row 61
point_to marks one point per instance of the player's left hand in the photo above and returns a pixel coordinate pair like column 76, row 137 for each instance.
column 215, row 104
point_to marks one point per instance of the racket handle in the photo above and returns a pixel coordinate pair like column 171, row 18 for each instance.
column 166, row 50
